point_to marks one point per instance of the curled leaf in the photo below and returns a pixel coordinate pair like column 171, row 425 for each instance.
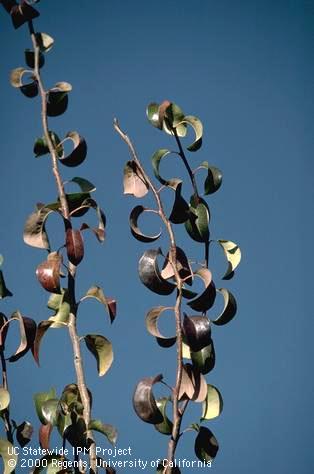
column 41, row 147
column 39, row 399
column 156, row 159
column 30, row 59
column 22, row 13
column 133, row 181
column 193, row 384
column 79, row 152
column 204, row 359
column 197, row 332
column 57, row 99
column 27, row 333
column 206, row 299
column 4, row 398
column 233, row 255
column 213, row 179
column 34, row 230
column 85, row 185
column 183, row 267
column 152, row 326
column 109, row 303
column 213, row 404
column 44, row 41
column 229, row 309
column 30, row 88
column 75, row 246
column 144, row 402
column 108, row 430
column 101, row 349
column 180, row 210
column 99, row 231
column 150, row 274
column 42, row 328
column 198, row 221
column 165, row 427
column 135, row 213
column 48, row 273
column 196, row 124
column 206, row 445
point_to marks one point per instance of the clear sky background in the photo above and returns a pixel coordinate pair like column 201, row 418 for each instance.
column 245, row 68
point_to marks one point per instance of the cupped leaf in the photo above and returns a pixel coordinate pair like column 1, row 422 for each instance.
column 109, row 303
column 44, row 41
column 57, row 99
column 101, row 349
column 30, row 59
column 233, row 255
column 197, row 332
column 229, row 309
column 30, row 88
column 4, row 292
column 206, row 299
column 49, row 411
column 8, row 456
column 24, row 433
column 165, row 427
column 48, row 273
column 34, row 230
column 79, row 152
column 133, row 181
column 196, row 124
column 150, row 274
column 39, row 399
column 22, row 13
column 16, row 77
column 198, row 222
column 156, row 159
column 152, row 326
column 135, row 214
column 108, row 430
column 4, row 398
column 193, row 384
column 41, row 147
column 183, row 267
column 204, row 359
column 213, row 404
column 74, row 245
column 85, row 185
column 144, row 402
column 79, row 203
column 213, row 179
column 152, row 113
column 206, row 445
column 27, row 333
column 180, row 211
column 173, row 119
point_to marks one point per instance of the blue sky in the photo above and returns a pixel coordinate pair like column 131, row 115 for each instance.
column 245, row 69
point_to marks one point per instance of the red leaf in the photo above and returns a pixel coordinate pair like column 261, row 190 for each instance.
column 74, row 245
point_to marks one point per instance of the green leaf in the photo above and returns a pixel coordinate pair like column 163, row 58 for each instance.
column 41, row 147
column 44, row 41
column 109, row 303
column 229, row 309
column 152, row 113
column 85, row 185
column 213, row 405
column 151, row 321
column 9, row 460
column 173, row 118
column 206, row 445
column 49, row 411
column 1, row 260
column 165, row 427
column 198, row 222
column 233, row 255
column 101, row 349
column 34, row 230
column 133, row 181
column 180, row 210
column 156, row 159
column 204, row 359
column 213, row 179
column 4, row 398
column 144, row 402
column 4, row 292
column 196, row 124
column 39, row 399
column 135, row 213
column 108, row 430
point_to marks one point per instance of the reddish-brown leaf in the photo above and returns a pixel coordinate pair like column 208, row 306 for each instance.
column 44, row 435
column 74, row 245
column 48, row 273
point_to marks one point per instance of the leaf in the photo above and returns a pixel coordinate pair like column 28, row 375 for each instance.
column 156, row 159
column 42, row 328
column 22, row 13
column 151, row 321
column 183, row 267
column 109, row 303
column 150, row 275
column 41, row 147
column 27, row 332
column 9, row 460
column 135, row 213
column 144, row 402
column 108, row 430
column 39, row 399
column 213, row 404
column 16, row 77
column 85, row 185
column 24, row 433
column 3, row 329
column 61, row 318
column 30, row 59
column 206, row 445
column 44, row 41
column 79, row 203
column 213, row 179
column 180, row 210
column 206, row 299
column 4, row 398
column 30, row 88
column 152, row 113
column 196, row 124
column 133, row 180
column 57, row 99
column 186, row 353
column 197, row 224
column 197, row 332
column 4, row 292
column 204, row 359
column 229, row 309
column 173, row 119
column 79, row 152
column 99, row 231
column 48, row 273
column 44, row 435
column 49, row 411
column 101, row 349
column 75, row 246
column 193, row 384
column 165, row 427
column 34, row 230
column 233, row 255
